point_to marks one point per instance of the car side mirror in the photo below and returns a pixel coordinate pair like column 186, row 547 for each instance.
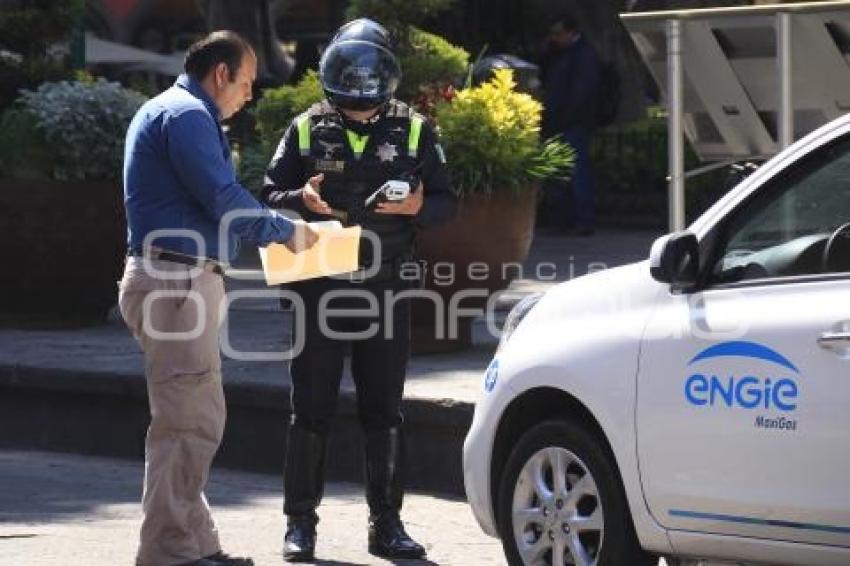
column 674, row 259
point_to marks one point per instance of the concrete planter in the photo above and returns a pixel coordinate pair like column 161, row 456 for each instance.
column 477, row 253
column 62, row 246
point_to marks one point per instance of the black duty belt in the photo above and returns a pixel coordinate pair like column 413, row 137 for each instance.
column 165, row 255
column 387, row 270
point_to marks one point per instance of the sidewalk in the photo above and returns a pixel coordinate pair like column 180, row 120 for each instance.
column 83, row 389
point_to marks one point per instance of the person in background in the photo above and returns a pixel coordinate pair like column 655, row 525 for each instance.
column 571, row 72
column 179, row 186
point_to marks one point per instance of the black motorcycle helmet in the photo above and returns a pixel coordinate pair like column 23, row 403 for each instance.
column 358, row 70
column 364, row 29
column 526, row 74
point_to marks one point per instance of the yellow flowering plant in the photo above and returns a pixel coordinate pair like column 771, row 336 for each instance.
column 491, row 136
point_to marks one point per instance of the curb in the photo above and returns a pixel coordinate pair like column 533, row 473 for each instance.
column 103, row 414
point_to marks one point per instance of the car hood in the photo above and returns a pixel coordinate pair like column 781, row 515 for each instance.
column 617, row 298
column 617, row 289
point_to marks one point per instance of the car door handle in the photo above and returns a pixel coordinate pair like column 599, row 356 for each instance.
column 828, row 339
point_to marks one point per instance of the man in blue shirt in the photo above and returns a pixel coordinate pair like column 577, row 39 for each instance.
column 186, row 212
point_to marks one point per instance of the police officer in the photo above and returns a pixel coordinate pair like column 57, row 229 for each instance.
column 330, row 160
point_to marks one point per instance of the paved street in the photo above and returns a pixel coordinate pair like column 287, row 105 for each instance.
column 58, row 509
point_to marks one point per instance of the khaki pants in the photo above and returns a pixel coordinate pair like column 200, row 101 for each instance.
column 175, row 317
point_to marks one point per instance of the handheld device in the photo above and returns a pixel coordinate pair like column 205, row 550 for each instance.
column 396, row 190
column 391, row 191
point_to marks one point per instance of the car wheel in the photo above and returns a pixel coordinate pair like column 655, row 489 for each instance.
column 561, row 502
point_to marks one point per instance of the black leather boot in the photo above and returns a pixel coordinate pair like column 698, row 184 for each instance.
column 299, row 543
column 384, row 492
column 303, row 485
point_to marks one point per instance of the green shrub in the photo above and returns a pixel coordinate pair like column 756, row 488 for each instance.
column 491, row 138
column 630, row 166
column 252, row 160
column 397, row 15
column 17, row 75
column 278, row 106
column 27, row 32
column 429, row 59
column 24, row 153
column 30, row 29
column 83, row 125
column 632, row 157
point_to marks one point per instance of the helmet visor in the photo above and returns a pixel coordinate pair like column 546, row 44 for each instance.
column 359, row 70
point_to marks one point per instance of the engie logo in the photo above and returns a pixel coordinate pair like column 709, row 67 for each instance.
column 747, row 390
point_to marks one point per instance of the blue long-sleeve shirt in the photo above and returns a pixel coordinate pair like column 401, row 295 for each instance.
column 178, row 176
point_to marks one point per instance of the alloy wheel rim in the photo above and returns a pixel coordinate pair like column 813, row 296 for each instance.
column 556, row 511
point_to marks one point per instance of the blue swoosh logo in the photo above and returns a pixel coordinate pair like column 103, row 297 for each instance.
column 744, row 350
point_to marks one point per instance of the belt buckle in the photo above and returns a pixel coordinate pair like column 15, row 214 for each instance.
column 211, row 266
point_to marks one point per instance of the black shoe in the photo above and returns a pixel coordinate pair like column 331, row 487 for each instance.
column 388, row 539
column 200, row 562
column 299, row 544
column 384, row 493
column 222, row 559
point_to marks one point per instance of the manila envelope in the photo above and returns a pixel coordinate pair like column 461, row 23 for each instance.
column 336, row 252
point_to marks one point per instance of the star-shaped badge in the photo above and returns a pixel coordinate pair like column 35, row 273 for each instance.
column 387, row 152
column 329, row 148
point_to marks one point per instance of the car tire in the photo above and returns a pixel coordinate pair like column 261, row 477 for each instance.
column 585, row 515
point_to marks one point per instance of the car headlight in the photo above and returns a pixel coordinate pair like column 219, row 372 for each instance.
column 516, row 315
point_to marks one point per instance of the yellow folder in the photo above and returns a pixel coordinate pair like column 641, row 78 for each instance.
column 334, row 253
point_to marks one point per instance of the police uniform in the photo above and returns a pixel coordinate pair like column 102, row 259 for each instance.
column 356, row 158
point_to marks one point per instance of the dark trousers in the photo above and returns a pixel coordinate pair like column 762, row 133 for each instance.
column 378, row 363
column 570, row 204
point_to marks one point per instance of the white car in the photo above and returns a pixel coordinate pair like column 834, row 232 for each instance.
column 694, row 406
